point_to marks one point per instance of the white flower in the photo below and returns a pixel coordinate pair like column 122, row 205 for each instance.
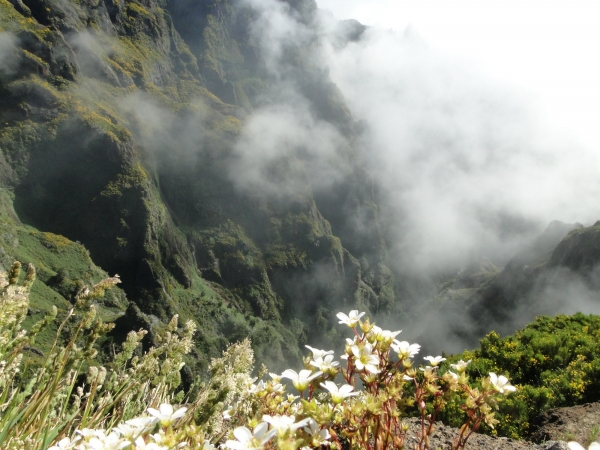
column 316, row 353
column 129, row 432
column 276, row 378
column 111, row 441
column 352, row 319
column 453, row 375
column 140, row 444
column 380, row 335
column 159, row 438
column 228, row 413
column 166, row 415
column 325, row 364
column 318, row 437
column 283, row 424
column 405, row 350
column 65, row 443
column 300, row 380
column 500, row 383
column 250, row 441
column 339, row 394
column 460, row 366
column 275, row 388
column 256, row 388
column 576, row 446
column 145, row 423
column 434, row 361
column 88, row 433
column 365, row 359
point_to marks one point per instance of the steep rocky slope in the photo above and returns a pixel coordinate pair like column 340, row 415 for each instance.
column 119, row 121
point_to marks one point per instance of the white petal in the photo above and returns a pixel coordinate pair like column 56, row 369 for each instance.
column 260, row 430
column 291, row 374
column 346, row 389
column 179, row 413
column 236, row 445
column 166, row 409
column 243, row 434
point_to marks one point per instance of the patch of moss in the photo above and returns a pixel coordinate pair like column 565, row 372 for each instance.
column 115, row 131
column 135, row 9
column 286, row 257
column 134, row 57
column 12, row 21
column 135, row 176
column 189, row 89
column 227, row 124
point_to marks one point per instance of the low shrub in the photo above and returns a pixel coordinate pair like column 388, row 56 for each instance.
column 554, row 362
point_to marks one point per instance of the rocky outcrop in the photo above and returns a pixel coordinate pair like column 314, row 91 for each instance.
column 443, row 437
column 576, row 423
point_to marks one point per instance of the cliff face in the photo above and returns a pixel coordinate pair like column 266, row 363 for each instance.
column 119, row 121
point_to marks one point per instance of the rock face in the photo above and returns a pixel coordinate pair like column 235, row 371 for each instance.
column 576, row 423
column 443, row 437
column 120, row 120
column 552, row 431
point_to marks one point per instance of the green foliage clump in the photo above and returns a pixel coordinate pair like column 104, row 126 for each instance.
column 554, row 362
column 46, row 396
column 135, row 176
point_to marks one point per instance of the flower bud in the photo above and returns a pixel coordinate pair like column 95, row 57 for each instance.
column 366, row 326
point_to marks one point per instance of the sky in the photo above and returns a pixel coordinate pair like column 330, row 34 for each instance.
column 548, row 48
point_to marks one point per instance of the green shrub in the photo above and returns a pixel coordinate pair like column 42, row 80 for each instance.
column 554, row 362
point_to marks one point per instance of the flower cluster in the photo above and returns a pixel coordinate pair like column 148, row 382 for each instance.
column 327, row 413
column 137, row 433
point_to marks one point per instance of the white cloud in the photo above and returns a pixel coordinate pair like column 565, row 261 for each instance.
column 458, row 152
column 283, row 150
column 8, row 53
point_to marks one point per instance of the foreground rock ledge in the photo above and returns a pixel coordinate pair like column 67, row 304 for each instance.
column 443, row 436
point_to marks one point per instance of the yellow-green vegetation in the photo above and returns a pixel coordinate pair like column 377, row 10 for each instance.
column 116, row 132
column 554, row 362
column 135, row 177
column 227, row 124
column 13, row 21
column 133, row 57
column 286, row 257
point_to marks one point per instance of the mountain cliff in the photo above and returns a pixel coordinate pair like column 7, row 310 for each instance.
column 120, row 121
